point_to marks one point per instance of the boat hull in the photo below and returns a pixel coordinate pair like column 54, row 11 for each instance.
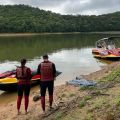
column 97, row 53
column 12, row 86
column 11, row 83
column 107, row 57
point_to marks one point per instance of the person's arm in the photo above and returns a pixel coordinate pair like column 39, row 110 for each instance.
column 29, row 73
column 38, row 69
column 54, row 70
column 16, row 74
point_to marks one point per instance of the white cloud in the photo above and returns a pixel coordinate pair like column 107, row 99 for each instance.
column 71, row 6
column 6, row 2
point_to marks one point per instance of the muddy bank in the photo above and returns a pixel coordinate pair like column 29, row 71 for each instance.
column 77, row 103
column 103, row 72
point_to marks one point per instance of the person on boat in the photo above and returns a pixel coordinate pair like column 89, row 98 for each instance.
column 23, row 75
column 47, row 70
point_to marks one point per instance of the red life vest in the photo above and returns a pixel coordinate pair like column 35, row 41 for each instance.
column 46, row 71
column 23, row 75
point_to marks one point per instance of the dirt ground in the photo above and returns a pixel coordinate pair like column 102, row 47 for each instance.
column 62, row 94
column 74, row 103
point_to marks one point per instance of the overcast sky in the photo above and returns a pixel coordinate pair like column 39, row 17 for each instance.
column 86, row 7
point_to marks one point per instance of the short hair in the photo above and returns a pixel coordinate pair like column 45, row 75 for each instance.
column 23, row 61
column 45, row 56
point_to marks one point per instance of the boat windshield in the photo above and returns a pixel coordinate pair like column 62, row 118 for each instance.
column 105, row 43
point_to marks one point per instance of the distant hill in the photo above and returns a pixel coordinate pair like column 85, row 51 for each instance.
column 23, row 18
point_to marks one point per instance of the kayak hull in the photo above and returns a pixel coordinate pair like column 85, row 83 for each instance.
column 14, row 85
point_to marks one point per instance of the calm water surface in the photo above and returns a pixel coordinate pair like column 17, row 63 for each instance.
column 70, row 52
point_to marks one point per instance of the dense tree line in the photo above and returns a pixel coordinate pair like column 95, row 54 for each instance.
column 22, row 18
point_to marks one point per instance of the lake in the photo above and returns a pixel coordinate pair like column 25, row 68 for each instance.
column 70, row 52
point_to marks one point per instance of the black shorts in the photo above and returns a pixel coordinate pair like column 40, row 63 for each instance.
column 45, row 85
column 23, row 89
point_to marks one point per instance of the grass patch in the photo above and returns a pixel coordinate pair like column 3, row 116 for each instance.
column 112, row 76
column 87, row 88
column 116, row 101
column 87, row 97
column 90, row 116
column 71, row 95
column 82, row 103
column 58, row 116
column 99, row 103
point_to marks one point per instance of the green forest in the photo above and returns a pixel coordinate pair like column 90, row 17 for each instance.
column 23, row 18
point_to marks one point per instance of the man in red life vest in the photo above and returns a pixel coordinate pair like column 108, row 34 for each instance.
column 23, row 75
column 47, row 71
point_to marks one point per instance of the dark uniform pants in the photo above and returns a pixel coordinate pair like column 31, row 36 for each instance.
column 46, row 84
column 25, row 88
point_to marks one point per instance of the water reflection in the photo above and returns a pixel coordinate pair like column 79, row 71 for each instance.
column 13, row 48
column 71, row 62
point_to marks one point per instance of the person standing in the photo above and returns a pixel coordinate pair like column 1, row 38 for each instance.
column 47, row 70
column 23, row 75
